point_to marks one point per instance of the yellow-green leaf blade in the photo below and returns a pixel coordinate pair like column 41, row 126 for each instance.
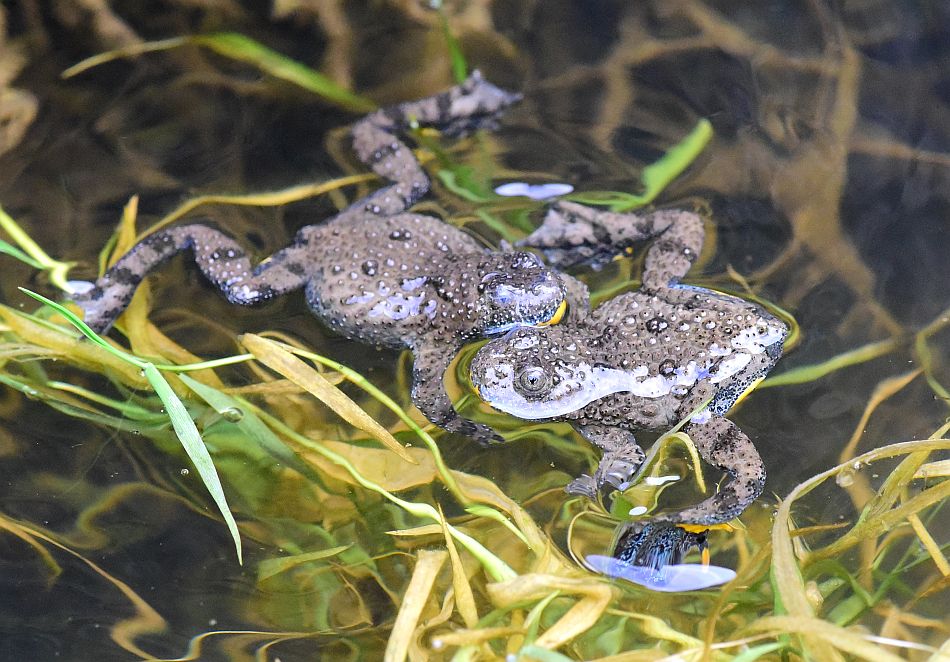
column 238, row 47
column 275, row 357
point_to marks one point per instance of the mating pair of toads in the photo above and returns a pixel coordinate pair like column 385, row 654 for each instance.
column 382, row 275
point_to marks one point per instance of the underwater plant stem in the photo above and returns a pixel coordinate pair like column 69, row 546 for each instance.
column 360, row 381
column 57, row 270
column 497, row 569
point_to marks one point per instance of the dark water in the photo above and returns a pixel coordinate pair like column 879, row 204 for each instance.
column 828, row 183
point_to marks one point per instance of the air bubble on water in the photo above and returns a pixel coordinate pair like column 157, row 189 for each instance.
column 185, row 472
column 845, row 478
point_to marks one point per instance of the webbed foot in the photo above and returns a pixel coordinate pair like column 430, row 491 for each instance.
column 621, row 460
column 654, row 545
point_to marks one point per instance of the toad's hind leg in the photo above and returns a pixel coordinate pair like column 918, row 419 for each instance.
column 622, row 457
column 573, row 234
column 673, row 253
column 222, row 260
column 376, row 139
column 428, row 395
column 723, row 445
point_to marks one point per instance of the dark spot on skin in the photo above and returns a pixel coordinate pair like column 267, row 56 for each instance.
column 124, row 276
column 370, row 267
column 656, row 325
column 444, row 105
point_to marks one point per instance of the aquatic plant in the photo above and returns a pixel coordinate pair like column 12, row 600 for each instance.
column 362, row 537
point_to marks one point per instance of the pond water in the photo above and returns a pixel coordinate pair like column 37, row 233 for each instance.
column 827, row 189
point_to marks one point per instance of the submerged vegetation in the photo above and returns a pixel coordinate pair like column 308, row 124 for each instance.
column 363, row 538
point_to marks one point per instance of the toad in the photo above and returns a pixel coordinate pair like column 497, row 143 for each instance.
column 646, row 359
column 376, row 273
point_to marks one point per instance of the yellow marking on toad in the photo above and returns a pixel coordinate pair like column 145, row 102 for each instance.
column 705, row 556
column 627, row 252
column 557, row 316
column 699, row 528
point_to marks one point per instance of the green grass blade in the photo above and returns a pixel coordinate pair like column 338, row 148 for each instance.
column 459, row 66
column 238, row 47
column 532, row 652
column 461, row 183
column 205, row 365
column 754, row 653
column 84, row 328
column 656, row 176
column 119, row 53
column 14, row 252
column 481, row 510
column 271, row 567
column 195, row 448
column 250, row 424
column 809, row 373
column 241, row 48
column 126, row 408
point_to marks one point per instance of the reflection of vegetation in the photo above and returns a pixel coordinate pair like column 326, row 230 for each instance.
column 363, row 537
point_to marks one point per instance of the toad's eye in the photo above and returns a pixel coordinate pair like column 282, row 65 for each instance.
column 525, row 260
column 533, row 380
column 488, row 280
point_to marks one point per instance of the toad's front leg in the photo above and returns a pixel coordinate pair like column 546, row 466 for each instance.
column 222, row 260
column 429, row 363
column 622, row 457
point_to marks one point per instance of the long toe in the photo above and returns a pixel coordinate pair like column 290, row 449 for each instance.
column 582, row 486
